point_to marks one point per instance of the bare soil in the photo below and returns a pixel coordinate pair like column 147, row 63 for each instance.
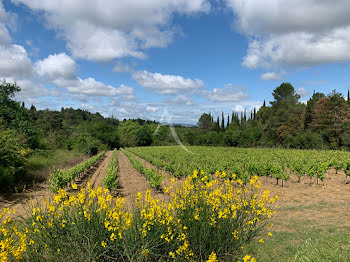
column 326, row 203
column 131, row 182
column 98, row 176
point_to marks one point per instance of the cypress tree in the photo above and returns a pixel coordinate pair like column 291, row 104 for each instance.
column 222, row 121
column 264, row 105
column 217, row 124
column 228, row 120
column 254, row 113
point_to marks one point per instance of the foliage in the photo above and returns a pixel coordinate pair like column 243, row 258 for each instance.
column 60, row 178
column 244, row 162
column 204, row 220
column 111, row 179
column 144, row 136
column 12, row 159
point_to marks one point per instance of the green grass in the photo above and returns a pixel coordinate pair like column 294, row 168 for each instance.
column 48, row 158
column 304, row 240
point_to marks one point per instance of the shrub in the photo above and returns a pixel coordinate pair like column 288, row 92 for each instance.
column 12, row 159
column 204, row 219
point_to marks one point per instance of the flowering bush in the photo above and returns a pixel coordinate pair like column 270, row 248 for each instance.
column 205, row 219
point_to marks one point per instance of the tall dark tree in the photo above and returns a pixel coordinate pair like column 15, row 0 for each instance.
column 217, row 125
column 228, row 120
column 222, row 122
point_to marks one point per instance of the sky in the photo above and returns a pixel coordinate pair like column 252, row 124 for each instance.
column 177, row 58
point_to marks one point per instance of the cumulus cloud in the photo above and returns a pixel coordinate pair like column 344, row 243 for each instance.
column 56, row 66
column 302, row 92
column 166, row 84
column 272, row 76
column 14, row 61
column 60, row 69
column 229, row 93
column 104, row 30
column 180, row 100
column 293, row 33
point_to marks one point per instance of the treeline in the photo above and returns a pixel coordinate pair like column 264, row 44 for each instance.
column 322, row 123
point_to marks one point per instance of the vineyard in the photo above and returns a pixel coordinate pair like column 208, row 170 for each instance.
column 246, row 163
column 208, row 204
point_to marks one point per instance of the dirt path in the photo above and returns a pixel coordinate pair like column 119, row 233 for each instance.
column 131, row 182
column 97, row 178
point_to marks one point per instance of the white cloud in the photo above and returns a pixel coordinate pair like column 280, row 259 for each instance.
column 56, row 66
column 5, row 37
column 151, row 108
column 3, row 14
column 181, row 100
column 14, row 61
column 166, row 84
column 302, row 92
column 121, row 67
column 229, row 93
column 60, row 69
column 293, row 32
column 106, row 29
column 272, row 76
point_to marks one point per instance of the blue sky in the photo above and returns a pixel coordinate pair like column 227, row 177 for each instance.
column 136, row 58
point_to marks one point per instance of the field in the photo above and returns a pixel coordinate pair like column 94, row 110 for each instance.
column 311, row 222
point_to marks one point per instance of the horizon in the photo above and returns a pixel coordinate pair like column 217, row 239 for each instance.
column 139, row 59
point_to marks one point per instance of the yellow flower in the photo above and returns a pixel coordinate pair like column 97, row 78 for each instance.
column 103, row 244
column 261, row 240
column 145, row 252
column 269, row 234
column 58, row 250
column 172, row 254
column 74, row 186
column 246, row 258
column 212, row 257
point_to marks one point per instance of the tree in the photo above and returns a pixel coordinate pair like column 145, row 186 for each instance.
column 222, row 122
column 144, row 136
column 311, row 104
column 285, row 93
column 204, row 122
